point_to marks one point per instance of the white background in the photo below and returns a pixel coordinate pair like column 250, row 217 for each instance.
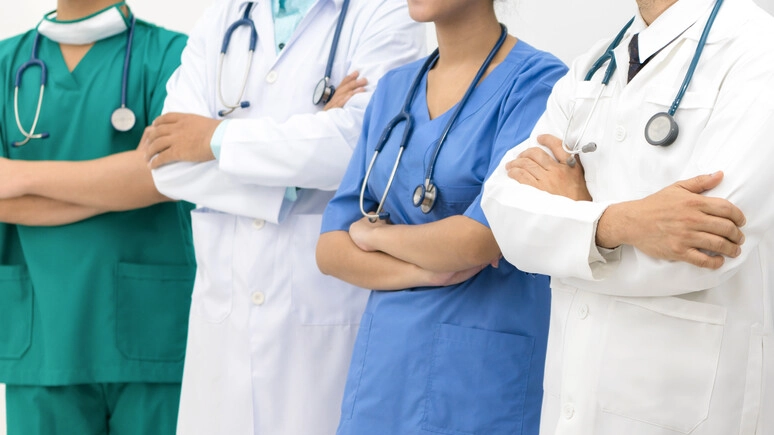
column 563, row 27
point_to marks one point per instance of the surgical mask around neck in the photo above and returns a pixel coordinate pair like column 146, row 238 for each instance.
column 88, row 30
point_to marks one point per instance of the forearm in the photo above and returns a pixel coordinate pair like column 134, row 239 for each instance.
column 39, row 211
column 338, row 256
column 115, row 183
column 449, row 245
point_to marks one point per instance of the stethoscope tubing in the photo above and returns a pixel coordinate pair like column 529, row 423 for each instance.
column 336, row 36
column 244, row 21
column 34, row 61
column 127, row 61
column 404, row 115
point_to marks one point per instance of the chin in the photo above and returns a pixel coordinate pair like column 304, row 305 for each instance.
column 420, row 11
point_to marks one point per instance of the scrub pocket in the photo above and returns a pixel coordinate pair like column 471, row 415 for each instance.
column 455, row 200
column 15, row 311
column 152, row 305
column 478, row 381
column 660, row 360
column 213, row 236
column 319, row 299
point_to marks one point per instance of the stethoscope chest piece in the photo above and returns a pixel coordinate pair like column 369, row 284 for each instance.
column 323, row 91
column 661, row 129
column 424, row 196
column 123, row 119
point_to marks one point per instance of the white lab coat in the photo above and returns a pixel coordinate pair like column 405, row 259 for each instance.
column 640, row 346
column 270, row 336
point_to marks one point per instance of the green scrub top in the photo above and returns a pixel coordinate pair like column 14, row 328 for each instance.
column 105, row 299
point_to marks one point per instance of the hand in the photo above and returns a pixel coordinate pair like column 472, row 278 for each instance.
column 443, row 279
column 11, row 178
column 361, row 233
column 178, row 137
column 348, row 87
column 534, row 167
column 677, row 223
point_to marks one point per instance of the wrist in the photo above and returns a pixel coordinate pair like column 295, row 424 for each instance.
column 610, row 227
column 25, row 180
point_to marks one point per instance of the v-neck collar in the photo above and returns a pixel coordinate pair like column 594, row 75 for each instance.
column 481, row 94
column 60, row 74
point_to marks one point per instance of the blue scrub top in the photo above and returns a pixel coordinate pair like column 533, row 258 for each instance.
column 462, row 359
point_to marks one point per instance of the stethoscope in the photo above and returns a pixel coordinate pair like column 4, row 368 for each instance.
column 323, row 92
column 424, row 195
column 122, row 119
column 661, row 129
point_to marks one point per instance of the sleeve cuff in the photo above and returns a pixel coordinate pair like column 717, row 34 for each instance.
column 217, row 138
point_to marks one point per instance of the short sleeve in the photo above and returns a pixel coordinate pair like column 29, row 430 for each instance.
column 169, row 47
column 344, row 208
column 519, row 115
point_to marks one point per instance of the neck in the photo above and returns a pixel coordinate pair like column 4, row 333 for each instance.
column 469, row 38
column 651, row 9
column 76, row 9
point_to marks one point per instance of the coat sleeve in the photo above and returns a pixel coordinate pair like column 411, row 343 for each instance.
column 312, row 150
column 204, row 183
column 544, row 233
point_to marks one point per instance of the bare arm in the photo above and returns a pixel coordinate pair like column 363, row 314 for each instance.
column 117, row 182
column 39, row 211
column 337, row 255
column 449, row 245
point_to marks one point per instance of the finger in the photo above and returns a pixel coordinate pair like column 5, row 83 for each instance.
column 161, row 159
column 157, row 147
column 530, row 166
column 539, row 157
column 701, row 183
column 349, row 86
column 554, row 144
column 702, row 259
column 351, row 77
column 523, row 177
column 723, row 208
column 721, row 226
column 715, row 244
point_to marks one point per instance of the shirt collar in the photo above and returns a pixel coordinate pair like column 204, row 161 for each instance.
column 338, row 3
column 681, row 16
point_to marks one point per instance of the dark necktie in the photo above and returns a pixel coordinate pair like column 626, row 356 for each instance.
column 634, row 57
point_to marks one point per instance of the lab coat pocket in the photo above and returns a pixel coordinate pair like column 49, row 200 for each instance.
column 16, row 303
column 152, row 304
column 659, row 361
column 477, row 382
column 213, row 234
column 319, row 299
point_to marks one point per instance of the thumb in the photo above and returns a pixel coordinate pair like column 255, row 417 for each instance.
column 701, row 183
column 554, row 144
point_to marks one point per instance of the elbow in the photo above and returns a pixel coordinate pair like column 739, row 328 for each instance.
column 322, row 256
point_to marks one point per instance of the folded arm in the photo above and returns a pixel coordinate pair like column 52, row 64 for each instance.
column 114, row 183
column 39, row 211
column 339, row 256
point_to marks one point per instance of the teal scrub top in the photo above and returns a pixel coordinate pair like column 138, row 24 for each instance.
column 105, row 299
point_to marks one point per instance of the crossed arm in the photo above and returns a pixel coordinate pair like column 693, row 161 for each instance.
column 43, row 193
column 381, row 256
column 675, row 223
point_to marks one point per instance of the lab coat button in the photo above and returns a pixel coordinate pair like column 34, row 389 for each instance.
column 568, row 411
column 583, row 311
column 259, row 223
column 258, row 298
column 271, row 77
column 620, row 133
